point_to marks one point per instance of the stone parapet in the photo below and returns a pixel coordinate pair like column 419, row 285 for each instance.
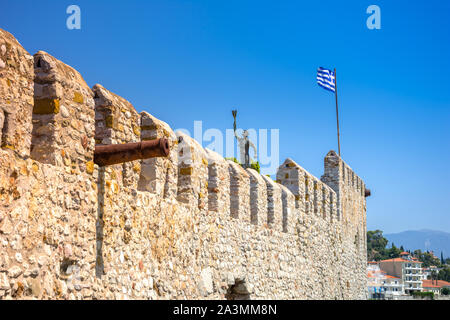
column 189, row 226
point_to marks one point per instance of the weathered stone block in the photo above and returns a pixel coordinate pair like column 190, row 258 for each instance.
column 46, row 106
column 78, row 97
column 186, row 171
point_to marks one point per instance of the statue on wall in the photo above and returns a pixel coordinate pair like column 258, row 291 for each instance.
column 244, row 145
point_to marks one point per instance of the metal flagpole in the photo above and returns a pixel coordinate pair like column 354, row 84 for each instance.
column 337, row 112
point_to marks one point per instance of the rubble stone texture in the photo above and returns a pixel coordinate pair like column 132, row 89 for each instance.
column 189, row 226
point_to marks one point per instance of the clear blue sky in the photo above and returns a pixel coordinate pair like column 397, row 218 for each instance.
column 195, row 60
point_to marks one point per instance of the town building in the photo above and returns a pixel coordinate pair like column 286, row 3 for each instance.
column 375, row 279
column 382, row 286
column 429, row 271
column 435, row 286
column 393, row 287
column 407, row 269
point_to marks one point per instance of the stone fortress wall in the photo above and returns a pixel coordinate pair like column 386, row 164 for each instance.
column 189, row 226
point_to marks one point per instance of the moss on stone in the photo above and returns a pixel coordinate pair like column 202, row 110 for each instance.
column 35, row 167
column 290, row 165
column 109, row 121
column 186, row 171
column 136, row 130
column 8, row 146
column 78, row 97
column 46, row 106
column 151, row 127
column 90, row 167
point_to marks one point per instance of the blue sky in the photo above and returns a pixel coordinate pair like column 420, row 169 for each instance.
column 197, row 60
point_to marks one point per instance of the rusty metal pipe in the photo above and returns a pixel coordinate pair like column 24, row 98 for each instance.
column 106, row 155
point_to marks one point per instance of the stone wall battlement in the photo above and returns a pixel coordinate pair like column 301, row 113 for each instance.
column 191, row 225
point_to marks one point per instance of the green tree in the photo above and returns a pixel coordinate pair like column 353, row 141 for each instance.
column 254, row 165
column 427, row 258
column 444, row 274
column 376, row 245
column 376, row 251
column 393, row 252
column 233, row 159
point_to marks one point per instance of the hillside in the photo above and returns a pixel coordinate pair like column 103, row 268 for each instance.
column 436, row 241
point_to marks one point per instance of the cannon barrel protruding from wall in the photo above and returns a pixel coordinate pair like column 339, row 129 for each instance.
column 106, row 155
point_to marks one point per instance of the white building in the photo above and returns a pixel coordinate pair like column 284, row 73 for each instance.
column 407, row 268
column 381, row 285
column 393, row 287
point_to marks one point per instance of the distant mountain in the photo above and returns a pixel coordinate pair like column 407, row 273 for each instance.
column 430, row 240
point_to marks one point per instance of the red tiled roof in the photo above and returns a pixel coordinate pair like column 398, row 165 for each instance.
column 400, row 260
column 428, row 284
column 404, row 253
column 432, row 283
column 444, row 283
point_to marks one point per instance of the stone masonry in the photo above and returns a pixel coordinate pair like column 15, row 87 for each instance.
column 189, row 226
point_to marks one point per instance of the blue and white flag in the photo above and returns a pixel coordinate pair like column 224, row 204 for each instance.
column 326, row 79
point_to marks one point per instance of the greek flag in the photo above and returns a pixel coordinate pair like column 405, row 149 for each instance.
column 326, row 79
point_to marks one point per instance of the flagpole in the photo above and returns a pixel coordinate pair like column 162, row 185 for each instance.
column 337, row 112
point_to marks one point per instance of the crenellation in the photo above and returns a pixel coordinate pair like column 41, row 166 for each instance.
column 61, row 136
column 258, row 197
column 359, row 184
column 274, row 205
column 289, row 211
column 294, row 177
column 116, row 123
column 218, row 183
column 309, row 194
column 326, row 203
column 317, row 197
column 348, row 175
column 239, row 192
column 159, row 175
column 16, row 96
column 333, row 206
column 192, row 172
column 189, row 226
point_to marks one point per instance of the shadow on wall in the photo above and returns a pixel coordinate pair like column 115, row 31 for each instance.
column 238, row 291
column 99, row 266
